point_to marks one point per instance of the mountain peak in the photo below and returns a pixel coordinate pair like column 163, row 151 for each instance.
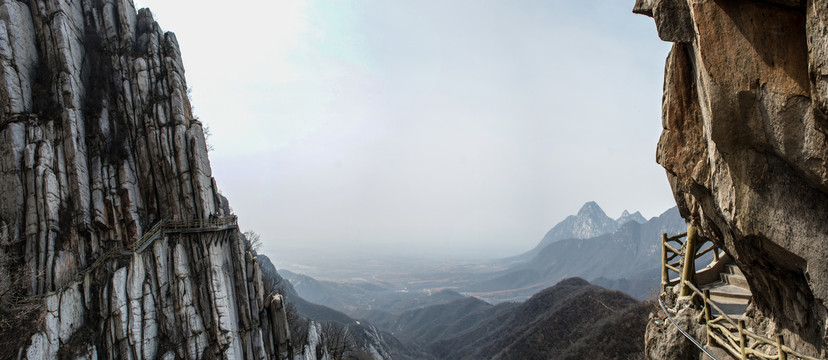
column 591, row 208
column 590, row 221
column 627, row 217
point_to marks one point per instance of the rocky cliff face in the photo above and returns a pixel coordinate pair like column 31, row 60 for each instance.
column 746, row 149
column 97, row 144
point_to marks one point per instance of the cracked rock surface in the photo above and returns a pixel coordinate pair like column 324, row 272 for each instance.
column 745, row 147
column 97, row 144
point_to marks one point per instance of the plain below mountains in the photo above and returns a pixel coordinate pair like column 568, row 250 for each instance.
column 622, row 254
column 365, row 340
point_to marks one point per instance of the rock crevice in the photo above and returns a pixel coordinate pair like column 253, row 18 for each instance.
column 745, row 147
column 98, row 143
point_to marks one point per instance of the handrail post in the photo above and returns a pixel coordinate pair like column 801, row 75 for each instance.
column 707, row 316
column 688, row 263
column 782, row 354
column 665, row 277
column 742, row 339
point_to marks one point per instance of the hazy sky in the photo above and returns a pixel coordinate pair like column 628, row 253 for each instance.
column 465, row 127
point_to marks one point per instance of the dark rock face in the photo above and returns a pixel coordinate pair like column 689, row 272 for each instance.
column 745, row 146
column 98, row 144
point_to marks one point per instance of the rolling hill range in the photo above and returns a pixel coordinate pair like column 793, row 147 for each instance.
column 571, row 320
column 542, row 308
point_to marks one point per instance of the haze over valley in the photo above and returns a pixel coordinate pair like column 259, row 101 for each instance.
column 433, row 179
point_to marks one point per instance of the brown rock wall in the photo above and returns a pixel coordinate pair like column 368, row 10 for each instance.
column 745, row 148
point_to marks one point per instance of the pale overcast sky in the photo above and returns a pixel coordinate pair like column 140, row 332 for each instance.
column 462, row 127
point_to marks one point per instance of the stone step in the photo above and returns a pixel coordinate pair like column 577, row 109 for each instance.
column 728, row 299
column 733, row 269
column 735, row 280
column 727, row 290
column 733, row 310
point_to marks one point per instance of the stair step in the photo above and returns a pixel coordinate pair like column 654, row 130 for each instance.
column 735, row 280
column 719, row 299
column 733, row 269
column 725, row 290
column 734, row 311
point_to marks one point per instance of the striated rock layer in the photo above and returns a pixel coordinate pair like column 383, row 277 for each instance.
column 98, row 143
column 745, row 113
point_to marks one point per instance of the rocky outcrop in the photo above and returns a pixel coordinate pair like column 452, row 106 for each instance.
column 98, row 144
column 745, row 147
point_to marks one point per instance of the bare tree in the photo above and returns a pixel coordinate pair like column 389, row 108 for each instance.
column 299, row 327
column 252, row 241
column 338, row 340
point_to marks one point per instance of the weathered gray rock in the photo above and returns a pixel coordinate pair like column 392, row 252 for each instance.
column 97, row 144
column 673, row 20
column 745, row 146
column 663, row 340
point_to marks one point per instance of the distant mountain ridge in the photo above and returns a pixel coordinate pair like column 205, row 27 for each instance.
column 625, row 258
column 590, row 221
column 627, row 217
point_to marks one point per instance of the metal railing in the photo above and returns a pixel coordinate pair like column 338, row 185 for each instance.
column 164, row 225
column 148, row 236
column 683, row 332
